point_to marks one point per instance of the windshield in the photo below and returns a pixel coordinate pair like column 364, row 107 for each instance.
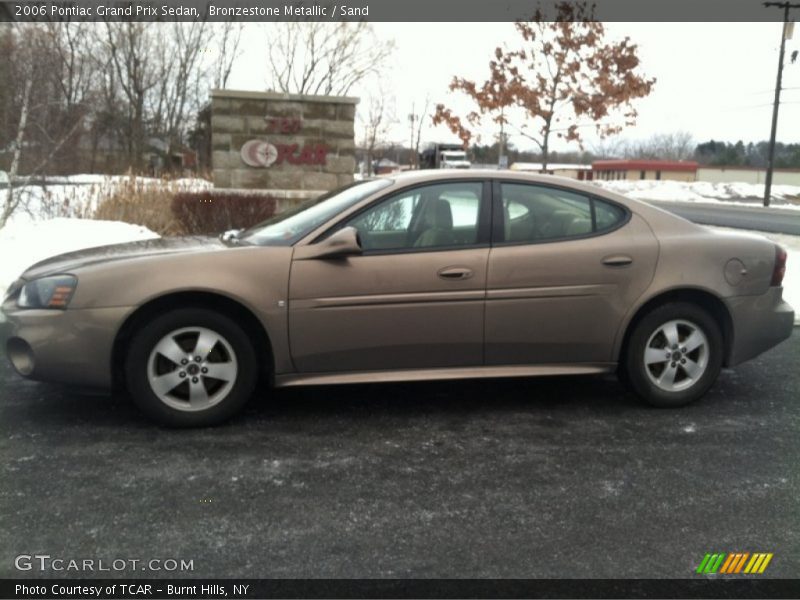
column 454, row 156
column 292, row 225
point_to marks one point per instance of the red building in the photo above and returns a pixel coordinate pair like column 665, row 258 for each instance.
column 674, row 170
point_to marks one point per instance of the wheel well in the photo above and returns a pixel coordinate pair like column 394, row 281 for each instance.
column 712, row 304
column 222, row 304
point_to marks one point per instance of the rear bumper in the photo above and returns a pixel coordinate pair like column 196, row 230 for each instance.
column 759, row 323
column 71, row 346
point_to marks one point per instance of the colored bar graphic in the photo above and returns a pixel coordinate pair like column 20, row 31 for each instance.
column 765, row 563
column 734, row 562
column 740, row 564
column 703, row 563
column 752, row 563
column 711, row 563
column 728, row 564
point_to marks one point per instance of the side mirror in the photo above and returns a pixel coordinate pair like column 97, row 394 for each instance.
column 344, row 242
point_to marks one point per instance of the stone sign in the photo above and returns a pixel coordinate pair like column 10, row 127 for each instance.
column 292, row 145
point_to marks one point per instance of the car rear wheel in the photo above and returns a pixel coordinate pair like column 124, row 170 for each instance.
column 674, row 354
column 191, row 367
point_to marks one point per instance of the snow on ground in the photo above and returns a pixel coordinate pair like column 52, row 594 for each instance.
column 784, row 196
column 791, row 281
column 23, row 244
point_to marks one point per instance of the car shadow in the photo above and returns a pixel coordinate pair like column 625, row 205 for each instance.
column 604, row 394
column 63, row 405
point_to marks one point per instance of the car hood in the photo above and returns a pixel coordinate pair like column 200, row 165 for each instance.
column 66, row 263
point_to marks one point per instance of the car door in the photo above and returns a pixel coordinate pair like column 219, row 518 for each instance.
column 563, row 270
column 413, row 299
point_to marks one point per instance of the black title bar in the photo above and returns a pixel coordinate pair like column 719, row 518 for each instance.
column 212, row 589
column 378, row 10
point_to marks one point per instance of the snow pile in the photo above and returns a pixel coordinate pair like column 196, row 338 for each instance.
column 703, row 191
column 23, row 244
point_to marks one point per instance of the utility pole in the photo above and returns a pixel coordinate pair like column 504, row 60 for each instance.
column 412, row 158
column 786, row 6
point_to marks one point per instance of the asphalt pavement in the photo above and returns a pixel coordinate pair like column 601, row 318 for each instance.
column 549, row 477
column 772, row 220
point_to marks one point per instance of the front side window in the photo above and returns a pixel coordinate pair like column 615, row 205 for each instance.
column 533, row 213
column 434, row 216
column 292, row 225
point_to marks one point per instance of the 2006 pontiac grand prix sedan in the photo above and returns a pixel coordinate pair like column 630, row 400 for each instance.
column 428, row 275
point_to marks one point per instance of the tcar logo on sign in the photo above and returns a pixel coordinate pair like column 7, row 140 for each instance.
column 735, row 563
column 259, row 153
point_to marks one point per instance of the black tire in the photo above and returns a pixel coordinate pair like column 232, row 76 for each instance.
column 639, row 377
column 229, row 403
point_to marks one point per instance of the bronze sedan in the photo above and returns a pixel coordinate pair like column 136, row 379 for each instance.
column 428, row 275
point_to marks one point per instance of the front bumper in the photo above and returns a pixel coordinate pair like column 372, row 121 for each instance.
column 72, row 346
column 759, row 323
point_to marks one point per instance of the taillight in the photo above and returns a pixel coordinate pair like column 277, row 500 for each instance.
column 780, row 266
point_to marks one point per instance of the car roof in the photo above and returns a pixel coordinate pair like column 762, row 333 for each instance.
column 432, row 175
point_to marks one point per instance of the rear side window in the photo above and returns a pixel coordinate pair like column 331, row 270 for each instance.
column 533, row 213
column 607, row 215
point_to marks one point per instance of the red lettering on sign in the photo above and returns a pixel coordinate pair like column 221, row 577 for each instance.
column 320, row 154
column 314, row 154
column 283, row 125
column 285, row 152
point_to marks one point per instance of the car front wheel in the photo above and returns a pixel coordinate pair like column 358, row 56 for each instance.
column 674, row 354
column 190, row 367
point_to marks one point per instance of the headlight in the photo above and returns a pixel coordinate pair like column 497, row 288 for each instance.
column 48, row 292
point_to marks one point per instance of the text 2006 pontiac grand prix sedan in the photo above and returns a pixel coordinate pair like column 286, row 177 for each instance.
column 430, row 275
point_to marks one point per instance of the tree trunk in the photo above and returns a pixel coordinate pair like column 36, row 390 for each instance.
column 11, row 202
column 545, row 150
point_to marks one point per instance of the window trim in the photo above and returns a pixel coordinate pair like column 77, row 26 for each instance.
column 498, row 216
column 484, row 218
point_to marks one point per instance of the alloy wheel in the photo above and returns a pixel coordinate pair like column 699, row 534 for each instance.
column 192, row 369
column 676, row 355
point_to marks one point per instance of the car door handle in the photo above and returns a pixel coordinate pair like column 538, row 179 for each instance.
column 455, row 273
column 618, row 260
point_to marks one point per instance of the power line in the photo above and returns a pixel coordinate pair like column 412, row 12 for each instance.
column 772, row 91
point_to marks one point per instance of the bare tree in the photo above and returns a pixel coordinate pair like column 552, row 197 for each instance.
column 228, row 37
column 72, row 94
column 417, row 121
column 72, row 43
column 155, row 79
column 183, row 80
column 48, row 69
column 613, row 147
column 309, row 57
column 379, row 118
column 131, row 52
column 12, row 199
column 678, row 145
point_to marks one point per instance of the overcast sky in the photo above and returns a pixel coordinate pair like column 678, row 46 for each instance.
column 714, row 80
